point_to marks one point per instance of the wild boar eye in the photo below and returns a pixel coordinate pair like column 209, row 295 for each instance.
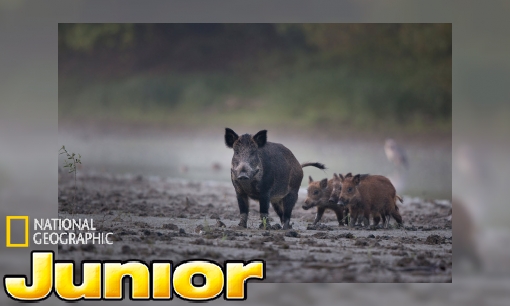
column 350, row 189
column 316, row 192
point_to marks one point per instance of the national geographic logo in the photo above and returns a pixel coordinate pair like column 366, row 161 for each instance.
column 53, row 231
column 16, row 224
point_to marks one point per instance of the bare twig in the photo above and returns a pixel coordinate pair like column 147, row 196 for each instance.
column 74, row 160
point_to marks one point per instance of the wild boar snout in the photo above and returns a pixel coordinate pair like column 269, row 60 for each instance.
column 308, row 204
column 243, row 176
column 244, row 172
column 342, row 202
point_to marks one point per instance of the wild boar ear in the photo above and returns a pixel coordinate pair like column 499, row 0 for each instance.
column 310, row 179
column 324, row 183
column 356, row 179
column 341, row 177
column 260, row 138
column 230, row 137
column 335, row 176
column 348, row 175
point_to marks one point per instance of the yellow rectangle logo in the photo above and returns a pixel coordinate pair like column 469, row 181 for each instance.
column 8, row 232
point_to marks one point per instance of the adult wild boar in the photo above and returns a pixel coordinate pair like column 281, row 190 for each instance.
column 267, row 172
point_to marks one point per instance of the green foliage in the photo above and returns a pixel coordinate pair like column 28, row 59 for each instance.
column 326, row 98
column 375, row 42
column 264, row 223
column 311, row 75
column 71, row 161
column 92, row 37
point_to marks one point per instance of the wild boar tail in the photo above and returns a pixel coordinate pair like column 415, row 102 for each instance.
column 316, row 165
column 400, row 199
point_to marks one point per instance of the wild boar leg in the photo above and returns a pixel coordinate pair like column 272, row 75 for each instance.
column 264, row 211
column 387, row 221
column 288, row 204
column 278, row 208
column 377, row 218
column 320, row 212
column 383, row 216
column 366, row 219
column 353, row 217
column 339, row 214
column 242, row 201
column 396, row 215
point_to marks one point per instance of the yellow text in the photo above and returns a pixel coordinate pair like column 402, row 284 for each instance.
column 104, row 280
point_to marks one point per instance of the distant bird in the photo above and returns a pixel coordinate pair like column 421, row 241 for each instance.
column 216, row 166
column 395, row 153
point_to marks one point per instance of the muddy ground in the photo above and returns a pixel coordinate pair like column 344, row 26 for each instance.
column 161, row 218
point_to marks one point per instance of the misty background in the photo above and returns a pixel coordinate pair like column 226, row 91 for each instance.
column 154, row 99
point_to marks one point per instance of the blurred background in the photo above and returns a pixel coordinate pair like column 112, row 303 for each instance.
column 481, row 115
column 155, row 98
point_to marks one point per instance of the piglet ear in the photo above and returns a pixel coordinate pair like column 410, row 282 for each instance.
column 310, row 179
column 260, row 138
column 230, row 137
column 335, row 176
column 324, row 184
column 341, row 177
column 348, row 175
column 356, row 179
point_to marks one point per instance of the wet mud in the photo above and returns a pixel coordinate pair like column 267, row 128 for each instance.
column 161, row 218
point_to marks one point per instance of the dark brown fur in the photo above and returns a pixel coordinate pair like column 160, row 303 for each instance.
column 319, row 193
column 373, row 194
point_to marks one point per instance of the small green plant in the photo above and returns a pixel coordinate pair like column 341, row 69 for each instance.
column 264, row 222
column 70, row 162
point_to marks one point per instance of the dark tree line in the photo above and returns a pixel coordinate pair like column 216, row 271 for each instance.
column 405, row 65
